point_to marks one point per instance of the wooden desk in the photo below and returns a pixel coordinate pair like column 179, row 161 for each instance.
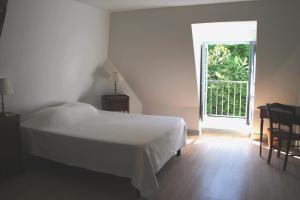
column 264, row 115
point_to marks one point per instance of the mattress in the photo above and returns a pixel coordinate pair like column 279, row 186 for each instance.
column 127, row 145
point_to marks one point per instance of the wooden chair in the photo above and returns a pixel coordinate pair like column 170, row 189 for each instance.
column 282, row 116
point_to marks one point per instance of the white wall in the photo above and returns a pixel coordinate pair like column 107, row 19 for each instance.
column 53, row 52
column 150, row 49
column 154, row 51
column 50, row 50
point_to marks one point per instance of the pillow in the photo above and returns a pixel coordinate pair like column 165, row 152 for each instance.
column 61, row 116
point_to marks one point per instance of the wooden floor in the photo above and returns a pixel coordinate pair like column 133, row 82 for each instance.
column 213, row 167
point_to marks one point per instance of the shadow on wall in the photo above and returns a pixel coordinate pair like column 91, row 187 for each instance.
column 102, row 85
column 99, row 86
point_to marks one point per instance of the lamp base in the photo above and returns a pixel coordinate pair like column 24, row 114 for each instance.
column 4, row 114
column 115, row 88
column 2, row 103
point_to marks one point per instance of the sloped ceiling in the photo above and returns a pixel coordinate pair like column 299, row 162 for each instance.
column 126, row 5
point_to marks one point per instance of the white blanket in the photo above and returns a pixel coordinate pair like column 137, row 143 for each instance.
column 127, row 145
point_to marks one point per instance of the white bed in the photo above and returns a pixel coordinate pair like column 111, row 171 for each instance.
column 126, row 145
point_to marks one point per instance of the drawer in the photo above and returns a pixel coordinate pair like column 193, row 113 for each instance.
column 115, row 103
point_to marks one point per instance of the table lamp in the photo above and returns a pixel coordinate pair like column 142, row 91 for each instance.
column 6, row 88
column 115, row 76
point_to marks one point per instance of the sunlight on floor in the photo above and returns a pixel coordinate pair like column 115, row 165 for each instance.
column 226, row 140
column 217, row 138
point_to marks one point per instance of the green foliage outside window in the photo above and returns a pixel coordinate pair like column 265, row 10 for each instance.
column 227, row 63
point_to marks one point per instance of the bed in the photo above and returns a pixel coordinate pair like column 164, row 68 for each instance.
column 127, row 145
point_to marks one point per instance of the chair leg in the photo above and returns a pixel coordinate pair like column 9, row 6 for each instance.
column 279, row 147
column 271, row 149
column 287, row 153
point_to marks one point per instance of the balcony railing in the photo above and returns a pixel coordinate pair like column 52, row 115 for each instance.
column 227, row 98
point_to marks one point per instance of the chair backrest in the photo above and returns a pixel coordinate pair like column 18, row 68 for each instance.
column 281, row 114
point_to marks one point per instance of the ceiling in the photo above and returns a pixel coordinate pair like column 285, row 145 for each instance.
column 126, row 5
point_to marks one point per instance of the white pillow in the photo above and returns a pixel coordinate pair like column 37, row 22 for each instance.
column 61, row 116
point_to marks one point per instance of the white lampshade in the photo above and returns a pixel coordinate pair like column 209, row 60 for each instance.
column 115, row 76
column 6, row 87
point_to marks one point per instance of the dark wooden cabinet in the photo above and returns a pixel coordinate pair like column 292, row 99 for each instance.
column 115, row 103
column 10, row 145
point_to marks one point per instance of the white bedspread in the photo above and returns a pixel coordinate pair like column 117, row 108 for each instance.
column 127, row 145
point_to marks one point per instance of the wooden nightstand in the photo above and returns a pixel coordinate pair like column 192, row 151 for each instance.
column 10, row 145
column 115, row 103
